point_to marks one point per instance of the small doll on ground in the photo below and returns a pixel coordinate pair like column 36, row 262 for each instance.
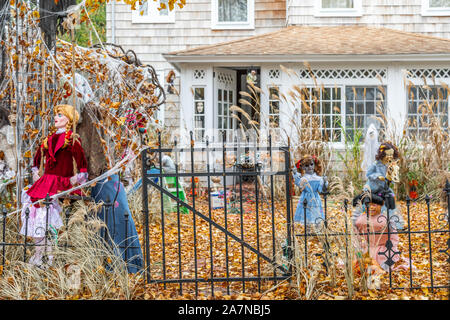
column 311, row 184
column 371, row 224
column 58, row 165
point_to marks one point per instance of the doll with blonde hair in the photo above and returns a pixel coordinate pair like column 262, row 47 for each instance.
column 59, row 164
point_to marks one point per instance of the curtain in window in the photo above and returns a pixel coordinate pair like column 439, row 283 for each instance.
column 439, row 3
column 163, row 12
column 232, row 10
column 338, row 4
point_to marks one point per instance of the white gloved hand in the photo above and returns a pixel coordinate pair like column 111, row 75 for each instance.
column 36, row 176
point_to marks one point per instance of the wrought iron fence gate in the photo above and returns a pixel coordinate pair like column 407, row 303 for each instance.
column 233, row 202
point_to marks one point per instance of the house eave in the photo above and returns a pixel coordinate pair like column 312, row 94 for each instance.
column 252, row 59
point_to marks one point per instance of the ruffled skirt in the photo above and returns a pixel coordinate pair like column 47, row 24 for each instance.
column 37, row 222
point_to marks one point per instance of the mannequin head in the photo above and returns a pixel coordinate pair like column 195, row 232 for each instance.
column 65, row 115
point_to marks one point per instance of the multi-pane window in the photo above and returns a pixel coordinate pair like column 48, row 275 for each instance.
column 362, row 105
column 224, row 118
column 323, row 106
column 329, row 4
column 199, row 113
column 153, row 12
column 274, row 107
column 232, row 14
column 425, row 102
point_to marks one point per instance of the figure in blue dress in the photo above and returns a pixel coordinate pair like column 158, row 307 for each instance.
column 380, row 174
column 311, row 183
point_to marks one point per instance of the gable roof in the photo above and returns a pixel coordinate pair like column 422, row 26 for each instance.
column 331, row 41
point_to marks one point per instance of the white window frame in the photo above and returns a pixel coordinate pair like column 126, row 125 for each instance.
column 152, row 15
column 429, row 11
column 233, row 25
column 161, row 111
column 338, row 12
column 194, row 112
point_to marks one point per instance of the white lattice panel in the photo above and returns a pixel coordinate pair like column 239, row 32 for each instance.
column 274, row 74
column 343, row 73
column 225, row 78
column 428, row 73
column 199, row 74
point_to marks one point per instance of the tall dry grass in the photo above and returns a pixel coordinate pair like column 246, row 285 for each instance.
column 83, row 266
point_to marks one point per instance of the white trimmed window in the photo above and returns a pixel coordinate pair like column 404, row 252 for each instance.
column 148, row 12
column 334, row 108
column 436, row 7
column 420, row 98
column 338, row 8
column 232, row 14
column 274, row 107
column 199, row 113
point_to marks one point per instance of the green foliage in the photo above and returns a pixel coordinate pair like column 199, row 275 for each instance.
column 351, row 158
column 84, row 33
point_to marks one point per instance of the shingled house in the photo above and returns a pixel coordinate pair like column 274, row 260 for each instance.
column 359, row 52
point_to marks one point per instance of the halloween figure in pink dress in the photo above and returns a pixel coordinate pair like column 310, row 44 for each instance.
column 59, row 164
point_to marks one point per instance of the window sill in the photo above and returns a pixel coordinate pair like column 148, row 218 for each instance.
column 232, row 26
column 435, row 12
column 338, row 13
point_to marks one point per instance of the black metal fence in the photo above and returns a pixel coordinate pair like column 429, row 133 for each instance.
column 420, row 246
column 230, row 227
column 226, row 237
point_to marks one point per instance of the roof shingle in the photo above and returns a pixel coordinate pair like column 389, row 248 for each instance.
column 326, row 40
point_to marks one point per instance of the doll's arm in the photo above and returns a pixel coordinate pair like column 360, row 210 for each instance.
column 36, row 164
column 373, row 173
column 80, row 160
column 300, row 181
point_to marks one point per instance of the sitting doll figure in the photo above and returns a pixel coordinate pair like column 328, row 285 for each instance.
column 379, row 175
column 371, row 224
column 377, row 172
column 58, row 165
column 310, row 183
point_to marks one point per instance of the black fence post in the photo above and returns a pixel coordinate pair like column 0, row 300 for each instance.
column 47, row 202
column 427, row 200
column 27, row 216
column 145, row 210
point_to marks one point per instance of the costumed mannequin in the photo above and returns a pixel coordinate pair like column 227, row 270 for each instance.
column 370, row 147
column 310, row 183
column 379, row 176
column 58, row 165
column 373, row 230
